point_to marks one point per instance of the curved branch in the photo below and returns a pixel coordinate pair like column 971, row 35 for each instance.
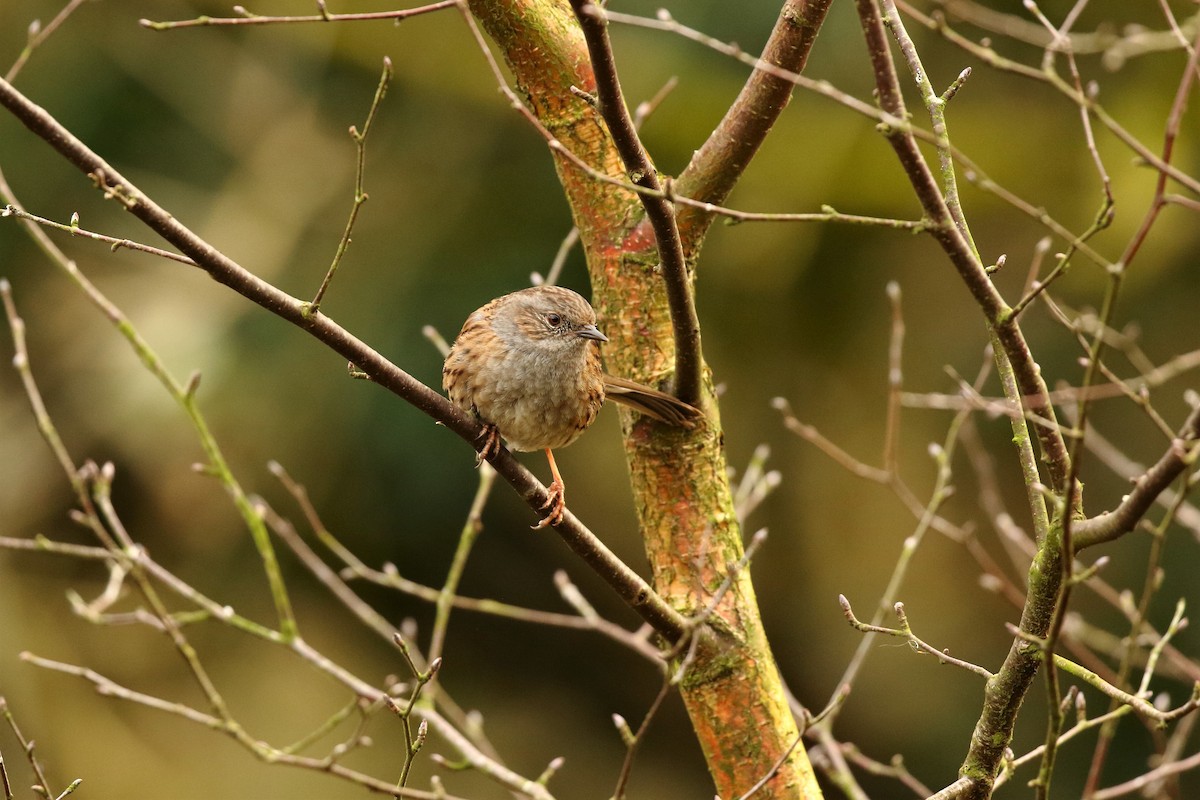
column 1146, row 489
column 627, row 583
column 719, row 163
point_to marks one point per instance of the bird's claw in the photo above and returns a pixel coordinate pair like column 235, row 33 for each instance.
column 556, row 504
column 491, row 443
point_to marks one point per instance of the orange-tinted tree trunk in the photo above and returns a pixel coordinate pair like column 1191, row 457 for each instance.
column 732, row 689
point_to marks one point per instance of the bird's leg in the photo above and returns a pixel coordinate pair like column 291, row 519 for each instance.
column 557, row 501
column 491, row 443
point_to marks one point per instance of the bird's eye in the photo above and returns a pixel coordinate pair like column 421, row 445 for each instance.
column 554, row 319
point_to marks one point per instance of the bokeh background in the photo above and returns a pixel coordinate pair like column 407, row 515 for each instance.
column 242, row 134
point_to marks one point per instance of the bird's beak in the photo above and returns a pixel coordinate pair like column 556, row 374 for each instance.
column 591, row 332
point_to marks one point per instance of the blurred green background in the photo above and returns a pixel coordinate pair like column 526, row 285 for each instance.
column 242, row 134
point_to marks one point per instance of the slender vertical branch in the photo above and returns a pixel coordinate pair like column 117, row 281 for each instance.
column 466, row 540
column 1028, row 390
column 27, row 746
column 659, row 211
column 935, row 104
column 360, row 194
column 1004, row 327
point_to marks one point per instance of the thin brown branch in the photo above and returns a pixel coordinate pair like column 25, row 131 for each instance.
column 905, row 632
column 284, row 529
column 1142, row 781
column 248, row 18
column 957, row 247
column 894, row 768
column 1121, row 465
column 634, row 740
column 659, row 211
column 109, row 688
column 360, row 194
column 627, row 583
column 114, row 243
column 27, row 747
column 39, row 34
column 1174, row 120
column 810, row 434
column 895, row 379
column 1146, row 489
column 46, row 427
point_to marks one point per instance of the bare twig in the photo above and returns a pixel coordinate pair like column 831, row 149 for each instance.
column 74, row 229
column 762, row 782
column 1149, row 778
column 634, row 740
column 1147, row 489
column 38, row 34
column 28, row 748
column 895, row 377
column 629, row 585
column 110, row 688
column 560, row 259
column 472, row 528
column 247, row 18
column 360, row 194
column 894, row 768
column 905, row 632
column 660, row 213
column 935, row 105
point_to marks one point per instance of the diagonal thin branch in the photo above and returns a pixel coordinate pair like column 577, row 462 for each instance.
column 38, row 35
column 720, row 162
column 628, row 584
column 1146, row 489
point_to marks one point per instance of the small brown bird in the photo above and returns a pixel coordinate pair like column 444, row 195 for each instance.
column 528, row 366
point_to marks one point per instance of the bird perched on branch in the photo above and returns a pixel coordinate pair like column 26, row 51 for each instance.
column 527, row 365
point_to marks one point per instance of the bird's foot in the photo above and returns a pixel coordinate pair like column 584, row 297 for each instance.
column 555, row 505
column 491, row 443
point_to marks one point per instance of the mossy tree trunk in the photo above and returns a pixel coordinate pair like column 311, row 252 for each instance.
column 732, row 689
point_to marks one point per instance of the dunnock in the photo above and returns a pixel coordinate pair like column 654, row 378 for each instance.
column 528, row 366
